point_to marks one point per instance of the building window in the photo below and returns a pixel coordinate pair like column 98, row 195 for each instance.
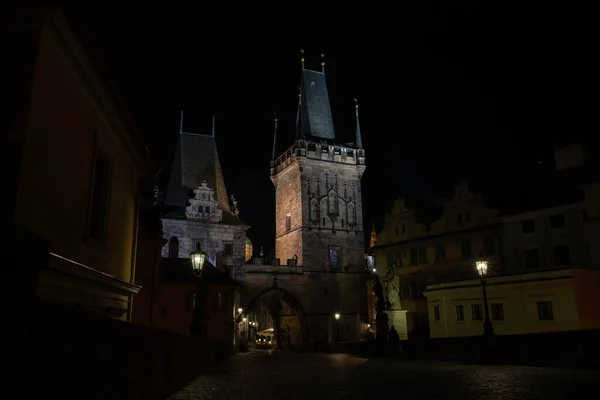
column 459, row 218
column 323, row 221
column 219, row 301
column 190, row 301
column 399, row 259
column 476, row 312
column 468, row 216
column 414, row 256
column 562, row 255
column 403, row 229
column 228, row 250
column 466, row 249
column 350, row 153
column 488, row 245
column 528, row 226
column 460, row 312
column 98, row 217
column 342, row 222
column 497, row 312
column 440, row 253
column 436, row 313
column 545, row 311
column 173, row 247
column 532, row 259
column 337, row 151
column 557, row 221
column 288, row 223
column 397, row 230
column 423, row 255
column 334, row 258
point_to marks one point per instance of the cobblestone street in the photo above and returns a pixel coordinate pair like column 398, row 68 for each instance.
column 275, row 375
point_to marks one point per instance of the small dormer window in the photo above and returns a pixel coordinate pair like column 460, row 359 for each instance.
column 337, row 151
column 349, row 153
column 207, row 209
column 324, row 150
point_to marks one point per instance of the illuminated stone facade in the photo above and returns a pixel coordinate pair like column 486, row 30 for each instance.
column 319, row 266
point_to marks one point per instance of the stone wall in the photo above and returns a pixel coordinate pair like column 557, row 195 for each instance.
column 321, row 294
column 74, row 354
column 212, row 236
column 324, row 202
column 288, row 202
column 321, row 193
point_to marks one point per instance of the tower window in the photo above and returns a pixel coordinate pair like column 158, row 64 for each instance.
column 323, row 221
column 334, row 258
column 288, row 223
column 342, row 222
column 228, row 250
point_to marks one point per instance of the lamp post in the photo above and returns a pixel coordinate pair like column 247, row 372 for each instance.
column 198, row 327
column 482, row 267
column 337, row 326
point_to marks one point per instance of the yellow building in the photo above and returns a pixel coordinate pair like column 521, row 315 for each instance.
column 80, row 170
column 558, row 300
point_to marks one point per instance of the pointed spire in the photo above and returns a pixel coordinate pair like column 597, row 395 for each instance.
column 358, row 135
column 373, row 239
column 181, row 123
column 323, row 63
column 213, row 126
column 302, row 58
column 274, row 136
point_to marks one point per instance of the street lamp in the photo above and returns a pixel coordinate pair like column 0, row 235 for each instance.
column 240, row 310
column 337, row 326
column 198, row 327
column 482, row 267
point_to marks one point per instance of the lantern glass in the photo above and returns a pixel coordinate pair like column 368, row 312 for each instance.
column 482, row 267
column 198, row 257
column 337, row 315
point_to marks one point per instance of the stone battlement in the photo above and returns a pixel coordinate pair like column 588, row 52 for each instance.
column 276, row 267
column 318, row 151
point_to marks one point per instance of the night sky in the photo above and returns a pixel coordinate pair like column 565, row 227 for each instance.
column 445, row 93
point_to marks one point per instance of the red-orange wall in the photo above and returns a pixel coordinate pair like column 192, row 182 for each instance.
column 587, row 295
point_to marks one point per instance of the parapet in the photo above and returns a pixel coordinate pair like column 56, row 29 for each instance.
column 318, row 151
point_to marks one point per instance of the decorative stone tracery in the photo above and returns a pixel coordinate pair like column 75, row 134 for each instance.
column 340, row 208
column 203, row 205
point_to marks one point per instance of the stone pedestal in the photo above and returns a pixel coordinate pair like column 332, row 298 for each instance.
column 398, row 319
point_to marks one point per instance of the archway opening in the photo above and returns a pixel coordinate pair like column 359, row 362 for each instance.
column 274, row 319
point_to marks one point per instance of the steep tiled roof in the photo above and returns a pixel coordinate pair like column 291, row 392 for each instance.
column 196, row 160
column 315, row 116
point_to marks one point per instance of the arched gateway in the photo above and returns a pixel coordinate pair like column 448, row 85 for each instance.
column 285, row 316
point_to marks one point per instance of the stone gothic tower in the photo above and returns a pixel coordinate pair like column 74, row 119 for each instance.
column 318, row 189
